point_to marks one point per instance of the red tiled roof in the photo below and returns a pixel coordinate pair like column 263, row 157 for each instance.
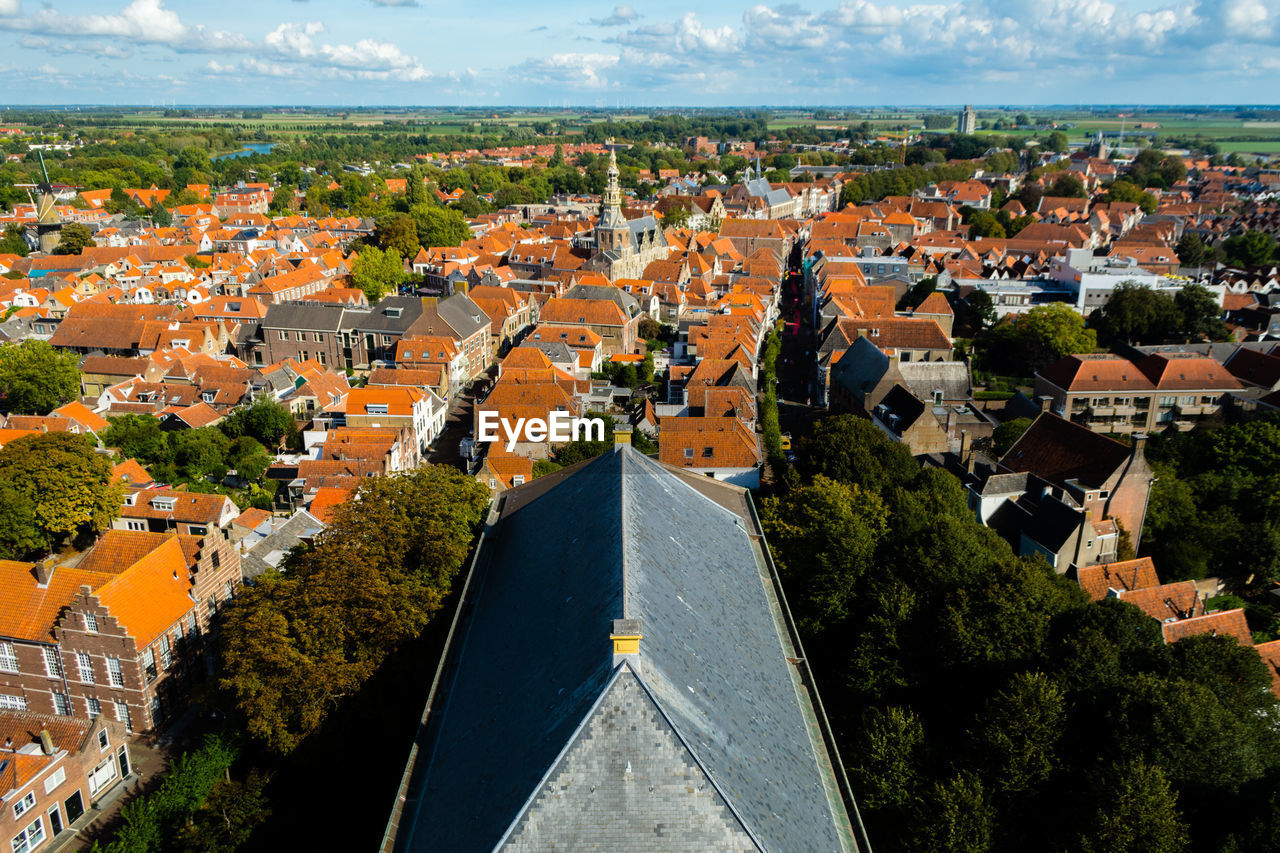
column 1228, row 622
column 1179, row 600
column 1126, row 575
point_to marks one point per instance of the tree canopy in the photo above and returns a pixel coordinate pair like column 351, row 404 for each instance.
column 54, row 486
column 300, row 640
column 983, row 703
column 35, row 378
column 1037, row 338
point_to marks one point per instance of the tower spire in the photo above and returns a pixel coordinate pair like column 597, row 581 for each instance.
column 611, row 203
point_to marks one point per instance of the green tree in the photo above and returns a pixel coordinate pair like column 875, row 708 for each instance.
column 19, row 532
column 228, row 817
column 13, row 243
column 889, row 765
column 248, row 457
column 438, row 226
column 1004, row 436
column 851, row 450
column 378, row 273
column 1067, row 184
column 1199, row 312
column 956, row 815
column 1038, row 337
column 1020, row 729
column 74, row 240
column 1191, row 250
column 1252, row 248
column 138, row 437
column 397, row 231
column 980, row 310
column 827, row 534
column 35, row 378
column 265, row 420
column 1137, row 313
column 676, row 216
column 201, row 453
column 67, row 486
column 1057, row 142
column 296, row 644
column 1137, row 813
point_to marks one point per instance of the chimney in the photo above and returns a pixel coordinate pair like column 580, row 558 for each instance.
column 44, row 570
column 46, row 742
column 1046, row 403
column 1139, row 445
column 626, row 638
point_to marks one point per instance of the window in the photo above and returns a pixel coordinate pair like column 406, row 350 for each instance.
column 231, row 590
column 104, row 740
column 157, row 714
column 8, row 658
column 212, row 604
column 688, row 453
column 517, row 480
column 27, row 802
column 84, row 664
column 115, row 677
column 93, row 705
column 122, row 714
column 193, row 628
column 1168, row 401
column 134, row 524
column 29, row 838
column 376, row 409
column 13, row 703
column 149, row 664
column 301, row 336
column 166, row 652
column 318, row 337
column 197, row 529
column 52, row 666
column 163, row 504
column 130, row 499
column 1187, row 401
column 103, row 774
column 61, row 704
column 302, row 355
column 55, row 779
column 320, row 356
column 90, row 623
column 284, row 336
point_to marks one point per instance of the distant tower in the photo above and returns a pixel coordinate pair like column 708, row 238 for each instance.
column 611, row 229
column 968, row 122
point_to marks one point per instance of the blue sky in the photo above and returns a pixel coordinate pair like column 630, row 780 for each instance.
column 650, row 53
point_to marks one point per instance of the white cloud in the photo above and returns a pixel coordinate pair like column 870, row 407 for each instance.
column 621, row 15
column 9, row 8
column 569, row 70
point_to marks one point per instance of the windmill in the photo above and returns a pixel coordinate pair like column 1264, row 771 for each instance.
column 48, row 225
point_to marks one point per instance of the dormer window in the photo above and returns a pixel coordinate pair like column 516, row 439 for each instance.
column 376, row 409
column 130, row 499
column 163, row 504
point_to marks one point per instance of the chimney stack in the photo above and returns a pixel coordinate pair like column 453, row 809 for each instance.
column 46, row 742
column 626, row 638
column 1139, row 444
column 44, row 570
column 1046, row 403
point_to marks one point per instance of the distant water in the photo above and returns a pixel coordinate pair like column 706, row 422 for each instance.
column 249, row 148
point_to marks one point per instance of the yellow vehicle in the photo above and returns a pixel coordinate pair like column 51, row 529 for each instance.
column 786, row 441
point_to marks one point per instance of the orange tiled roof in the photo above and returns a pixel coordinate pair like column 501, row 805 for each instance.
column 1228, row 622
column 1125, row 575
column 151, row 595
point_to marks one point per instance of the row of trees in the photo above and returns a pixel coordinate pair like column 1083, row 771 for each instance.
column 982, row 703
column 299, row 641
column 1136, row 313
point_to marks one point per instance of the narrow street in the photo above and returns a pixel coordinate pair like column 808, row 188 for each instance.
column 796, row 370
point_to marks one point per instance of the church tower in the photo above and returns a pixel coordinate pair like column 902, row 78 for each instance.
column 612, row 233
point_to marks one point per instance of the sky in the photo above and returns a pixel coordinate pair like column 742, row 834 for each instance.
column 502, row 52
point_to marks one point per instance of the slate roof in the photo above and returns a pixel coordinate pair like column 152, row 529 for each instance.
column 534, row 685
column 272, row 539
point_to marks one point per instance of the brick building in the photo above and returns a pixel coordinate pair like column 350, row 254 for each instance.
column 120, row 634
column 53, row 770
